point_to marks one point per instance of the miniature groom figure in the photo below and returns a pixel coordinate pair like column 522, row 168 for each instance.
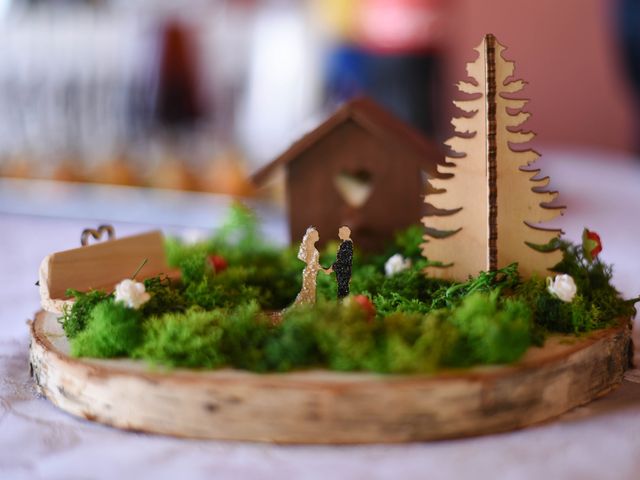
column 344, row 259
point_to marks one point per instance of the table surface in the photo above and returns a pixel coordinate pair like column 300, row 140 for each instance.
column 601, row 440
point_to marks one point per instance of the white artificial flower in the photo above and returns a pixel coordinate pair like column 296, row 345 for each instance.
column 396, row 263
column 131, row 293
column 562, row 287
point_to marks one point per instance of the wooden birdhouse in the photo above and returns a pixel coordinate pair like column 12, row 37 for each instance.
column 364, row 168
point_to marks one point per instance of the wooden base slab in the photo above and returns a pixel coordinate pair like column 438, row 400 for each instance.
column 329, row 407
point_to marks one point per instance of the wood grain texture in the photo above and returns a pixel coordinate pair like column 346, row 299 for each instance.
column 100, row 267
column 488, row 205
column 329, row 407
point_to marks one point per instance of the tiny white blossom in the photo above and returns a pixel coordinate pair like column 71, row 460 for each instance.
column 563, row 287
column 132, row 293
column 396, row 263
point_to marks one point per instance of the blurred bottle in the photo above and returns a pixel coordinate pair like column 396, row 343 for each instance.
column 178, row 105
column 389, row 50
column 178, row 99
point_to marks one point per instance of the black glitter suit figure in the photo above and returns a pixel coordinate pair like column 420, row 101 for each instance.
column 344, row 259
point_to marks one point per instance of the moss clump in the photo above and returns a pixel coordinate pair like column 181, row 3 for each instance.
column 292, row 344
column 490, row 331
column 245, row 334
column 74, row 319
column 204, row 288
column 113, row 330
column 178, row 251
column 341, row 337
column 191, row 339
column 212, row 319
column 257, row 271
column 600, row 301
column 597, row 304
column 346, row 340
column 165, row 297
column 407, row 242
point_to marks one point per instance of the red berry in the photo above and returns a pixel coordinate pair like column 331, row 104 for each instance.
column 591, row 244
column 366, row 304
column 218, row 263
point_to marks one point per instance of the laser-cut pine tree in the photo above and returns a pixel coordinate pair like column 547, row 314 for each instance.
column 487, row 204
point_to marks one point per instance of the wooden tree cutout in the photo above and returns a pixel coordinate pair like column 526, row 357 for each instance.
column 484, row 203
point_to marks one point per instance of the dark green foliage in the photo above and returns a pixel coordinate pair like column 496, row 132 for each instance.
column 195, row 278
column 490, row 332
column 275, row 277
column 345, row 337
column 113, row 330
column 165, row 297
column 408, row 242
column 414, row 343
column 191, row 339
column 245, row 335
column 213, row 319
column 549, row 312
column 597, row 304
column 74, row 319
column 366, row 279
column 451, row 294
column 178, row 251
column 594, row 285
column 207, row 289
column 292, row 344
column 257, row 270
column 481, row 330
column 407, row 291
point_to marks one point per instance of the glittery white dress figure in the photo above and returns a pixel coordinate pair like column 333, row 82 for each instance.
column 309, row 254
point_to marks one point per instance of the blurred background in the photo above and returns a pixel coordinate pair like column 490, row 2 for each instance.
column 197, row 94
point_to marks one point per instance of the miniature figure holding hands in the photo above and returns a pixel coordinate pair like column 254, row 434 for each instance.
column 309, row 254
column 344, row 259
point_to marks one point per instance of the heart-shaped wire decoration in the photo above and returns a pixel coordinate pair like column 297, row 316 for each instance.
column 97, row 234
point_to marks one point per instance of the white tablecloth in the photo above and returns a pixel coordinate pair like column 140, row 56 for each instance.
column 37, row 440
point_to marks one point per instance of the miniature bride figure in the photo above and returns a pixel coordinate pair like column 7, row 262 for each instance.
column 309, row 254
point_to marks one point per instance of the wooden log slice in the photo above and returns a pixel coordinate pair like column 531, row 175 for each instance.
column 329, row 407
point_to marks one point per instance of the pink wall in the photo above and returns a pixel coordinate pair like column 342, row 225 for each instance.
column 566, row 51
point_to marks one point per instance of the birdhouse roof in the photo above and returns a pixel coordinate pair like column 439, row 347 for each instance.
column 372, row 118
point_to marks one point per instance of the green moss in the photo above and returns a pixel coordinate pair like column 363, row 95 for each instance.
column 597, row 304
column 417, row 343
column 490, row 332
column 191, row 339
column 178, row 252
column 165, row 297
column 345, row 338
column 292, row 344
column 276, row 278
column 113, row 330
column 204, row 288
column 407, row 242
column 74, row 319
column 213, row 319
column 245, row 335
column 501, row 281
column 366, row 279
